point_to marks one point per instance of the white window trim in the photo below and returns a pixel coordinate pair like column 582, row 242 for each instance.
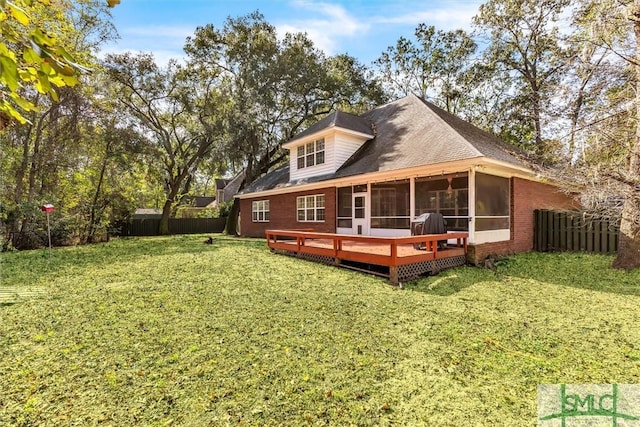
column 488, row 236
column 315, row 208
column 302, row 153
column 260, row 207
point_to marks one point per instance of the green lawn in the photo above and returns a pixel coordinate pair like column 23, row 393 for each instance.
column 169, row 331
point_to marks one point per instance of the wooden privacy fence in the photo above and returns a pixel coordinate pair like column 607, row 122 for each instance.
column 150, row 227
column 574, row 231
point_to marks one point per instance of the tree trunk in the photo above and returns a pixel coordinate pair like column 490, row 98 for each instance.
column 537, row 121
column 629, row 238
column 164, row 219
column 629, row 243
column 96, row 196
column 231, row 226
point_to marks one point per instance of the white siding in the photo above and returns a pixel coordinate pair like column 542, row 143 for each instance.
column 338, row 147
column 345, row 146
column 325, row 168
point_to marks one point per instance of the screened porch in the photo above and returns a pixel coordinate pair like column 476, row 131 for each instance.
column 472, row 202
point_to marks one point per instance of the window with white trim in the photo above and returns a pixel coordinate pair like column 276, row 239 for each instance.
column 311, row 153
column 492, row 202
column 260, row 211
column 310, row 208
column 345, row 202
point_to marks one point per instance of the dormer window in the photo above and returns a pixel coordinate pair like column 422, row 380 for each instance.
column 311, row 153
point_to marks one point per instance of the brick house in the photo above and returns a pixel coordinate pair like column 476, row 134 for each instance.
column 372, row 174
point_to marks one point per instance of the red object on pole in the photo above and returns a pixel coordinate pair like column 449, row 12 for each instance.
column 47, row 208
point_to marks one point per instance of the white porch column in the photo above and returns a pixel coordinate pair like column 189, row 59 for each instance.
column 412, row 198
column 472, row 204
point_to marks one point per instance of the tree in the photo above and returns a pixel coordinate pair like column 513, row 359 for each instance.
column 435, row 66
column 269, row 88
column 615, row 25
column 44, row 142
column 31, row 57
column 165, row 104
column 524, row 39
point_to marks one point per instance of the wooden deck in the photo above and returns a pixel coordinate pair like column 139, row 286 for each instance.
column 392, row 257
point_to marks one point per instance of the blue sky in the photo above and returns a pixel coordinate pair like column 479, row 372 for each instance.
column 361, row 28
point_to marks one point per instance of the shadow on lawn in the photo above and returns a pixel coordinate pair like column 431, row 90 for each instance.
column 30, row 264
column 576, row 270
column 451, row 281
column 573, row 269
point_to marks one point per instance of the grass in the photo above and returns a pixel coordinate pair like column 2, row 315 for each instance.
column 169, row 331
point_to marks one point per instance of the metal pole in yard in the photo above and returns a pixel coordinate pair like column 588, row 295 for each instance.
column 49, row 233
column 48, row 208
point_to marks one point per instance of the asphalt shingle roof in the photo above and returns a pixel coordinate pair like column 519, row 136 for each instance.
column 341, row 120
column 408, row 132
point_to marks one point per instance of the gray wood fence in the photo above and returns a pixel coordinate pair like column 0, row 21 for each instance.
column 574, row 231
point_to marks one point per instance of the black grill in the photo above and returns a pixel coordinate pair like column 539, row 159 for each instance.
column 429, row 223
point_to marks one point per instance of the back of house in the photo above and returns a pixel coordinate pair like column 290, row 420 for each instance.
column 372, row 174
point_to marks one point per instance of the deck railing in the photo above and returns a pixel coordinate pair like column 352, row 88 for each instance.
column 390, row 252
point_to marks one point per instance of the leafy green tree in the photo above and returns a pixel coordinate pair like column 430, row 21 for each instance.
column 270, row 88
column 524, row 40
column 32, row 56
column 170, row 105
column 43, row 150
column 436, row 65
column 610, row 169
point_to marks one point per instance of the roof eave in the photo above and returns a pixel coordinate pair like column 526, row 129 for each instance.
column 296, row 141
column 474, row 163
column 434, row 169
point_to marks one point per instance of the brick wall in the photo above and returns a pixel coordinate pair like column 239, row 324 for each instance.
column 283, row 213
column 526, row 196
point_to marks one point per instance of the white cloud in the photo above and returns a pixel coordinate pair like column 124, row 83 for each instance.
column 332, row 26
column 330, row 23
column 442, row 18
column 165, row 42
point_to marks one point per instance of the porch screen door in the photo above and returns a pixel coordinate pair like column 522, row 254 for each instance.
column 360, row 221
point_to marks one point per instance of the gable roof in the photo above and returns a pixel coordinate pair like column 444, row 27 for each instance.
column 202, row 201
column 232, row 186
column 337, row 119
column 409, row 132
column 221, row 183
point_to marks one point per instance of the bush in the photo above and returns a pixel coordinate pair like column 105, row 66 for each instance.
column 225, row 208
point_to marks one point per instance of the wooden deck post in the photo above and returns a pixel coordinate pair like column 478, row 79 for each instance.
column 393, row 275
column 394, row 253
column 356, row 252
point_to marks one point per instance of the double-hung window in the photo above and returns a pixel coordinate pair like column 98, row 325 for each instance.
column 310, row 208
column 260, row 211
column 311, row 153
